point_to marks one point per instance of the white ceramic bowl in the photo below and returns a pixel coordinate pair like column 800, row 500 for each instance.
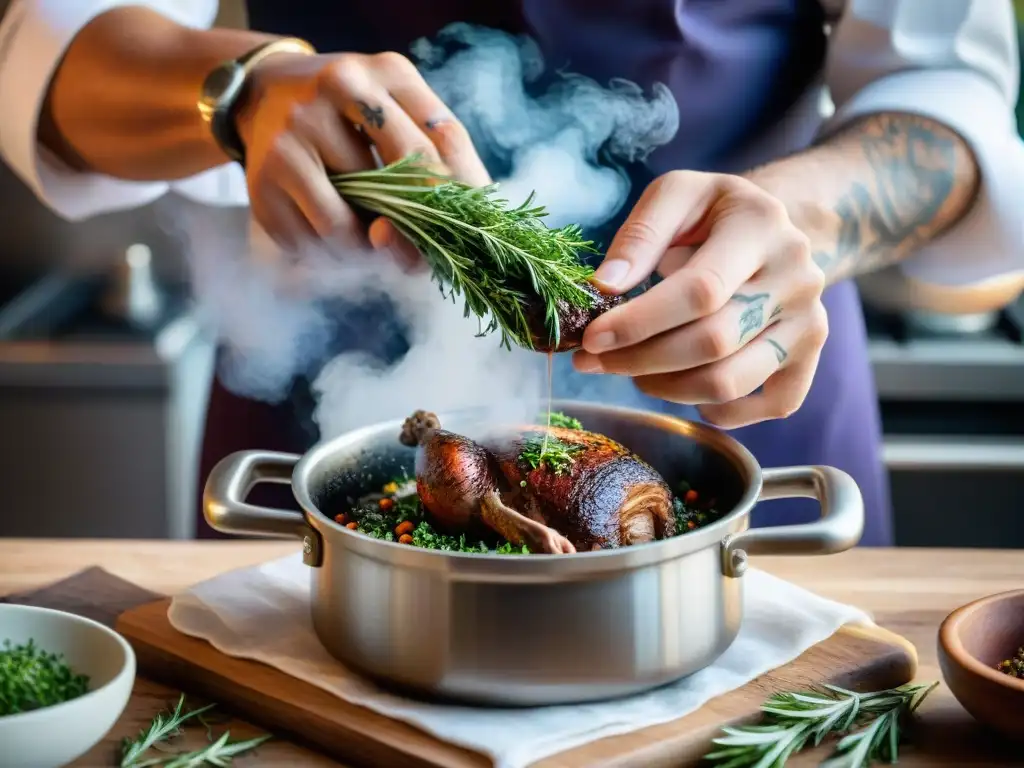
column 54, row 736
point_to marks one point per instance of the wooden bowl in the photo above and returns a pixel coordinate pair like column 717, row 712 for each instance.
column 972, row 641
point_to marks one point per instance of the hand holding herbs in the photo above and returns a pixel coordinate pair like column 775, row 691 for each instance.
column 138, row 752
column 31, row 678
column 869, row 725
column 513, row 272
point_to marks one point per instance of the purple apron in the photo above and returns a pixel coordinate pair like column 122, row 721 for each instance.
column 734, row 67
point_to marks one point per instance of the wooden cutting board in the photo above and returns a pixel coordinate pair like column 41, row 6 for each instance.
column 858, row 657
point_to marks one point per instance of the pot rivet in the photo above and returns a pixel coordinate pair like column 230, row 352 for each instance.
column 307, row 545
column 739, row 561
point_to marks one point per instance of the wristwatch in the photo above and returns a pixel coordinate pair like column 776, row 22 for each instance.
column 224, row 86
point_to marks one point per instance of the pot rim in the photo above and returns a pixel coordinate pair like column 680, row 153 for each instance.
column 541, row 567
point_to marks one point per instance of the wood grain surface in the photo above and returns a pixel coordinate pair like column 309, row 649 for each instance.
column 862, row 658
column 909, row 591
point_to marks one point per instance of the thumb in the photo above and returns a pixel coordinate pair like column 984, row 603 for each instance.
column 671, row 204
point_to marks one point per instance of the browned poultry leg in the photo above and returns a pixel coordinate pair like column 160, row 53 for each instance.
column 519, row 529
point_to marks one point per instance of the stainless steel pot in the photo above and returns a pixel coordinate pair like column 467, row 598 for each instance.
column 538, row 629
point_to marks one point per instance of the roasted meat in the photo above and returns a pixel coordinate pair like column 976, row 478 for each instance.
column 586, row 492
column 572, row 321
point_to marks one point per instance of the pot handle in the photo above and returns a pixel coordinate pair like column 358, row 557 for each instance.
column 226, row 510
column 839, row 529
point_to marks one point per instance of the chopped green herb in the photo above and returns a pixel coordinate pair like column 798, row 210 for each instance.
column 31, row 678
column 560, row 420
column 690, row 517
column 380, row 518
column 554, row 454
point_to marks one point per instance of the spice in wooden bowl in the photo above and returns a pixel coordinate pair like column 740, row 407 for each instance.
column 1014, row 666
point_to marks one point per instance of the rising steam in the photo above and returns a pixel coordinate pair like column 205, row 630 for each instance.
column 276, row 316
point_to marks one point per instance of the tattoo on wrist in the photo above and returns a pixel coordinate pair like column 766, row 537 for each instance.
column 752, row 316
column 780, row 352
column 374, row 116
column 920, row 180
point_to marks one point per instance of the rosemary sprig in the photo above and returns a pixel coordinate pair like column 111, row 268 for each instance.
column 478, row 247
column 164, row 726
column 167, row 725
column 793, row 720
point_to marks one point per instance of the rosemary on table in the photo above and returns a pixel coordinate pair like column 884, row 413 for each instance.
column 167, row 725
column 869, row 723
column 477, row 246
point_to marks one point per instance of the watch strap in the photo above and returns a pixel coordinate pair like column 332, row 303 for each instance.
column 221, row 114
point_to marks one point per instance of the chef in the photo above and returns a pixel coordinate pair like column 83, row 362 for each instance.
column 759, row 213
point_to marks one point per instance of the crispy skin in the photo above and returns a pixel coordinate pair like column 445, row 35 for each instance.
column 453, row 475
column 608, row 497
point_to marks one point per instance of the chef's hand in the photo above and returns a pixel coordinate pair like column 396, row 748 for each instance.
column 306, row 116
column 739, row 306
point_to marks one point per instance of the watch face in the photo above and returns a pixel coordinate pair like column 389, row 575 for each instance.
column 220, row 88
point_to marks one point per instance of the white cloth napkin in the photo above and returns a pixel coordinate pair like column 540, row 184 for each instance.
column 262, row 613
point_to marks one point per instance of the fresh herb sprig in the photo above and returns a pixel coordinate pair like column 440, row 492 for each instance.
column 167, row 725
column 794, row 720
column 478, row 247
column 544, row 450
column 31, row 678
column 558, row 419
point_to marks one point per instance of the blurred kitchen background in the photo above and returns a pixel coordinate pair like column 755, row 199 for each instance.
column 104, row 369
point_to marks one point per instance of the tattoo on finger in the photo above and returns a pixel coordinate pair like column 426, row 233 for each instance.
column 374, row 116
column 775, row 312
column 752, row 316
column 780, row 352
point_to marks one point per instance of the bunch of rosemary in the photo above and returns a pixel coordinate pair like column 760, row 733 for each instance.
column 497, row 258
column 869, row 723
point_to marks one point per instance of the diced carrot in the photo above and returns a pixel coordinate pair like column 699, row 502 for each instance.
column 386, row 503
column 404, row 527
column 690, row 497
column 691, row 524
column 342, row 518
column 405, row 538
column 352, row 526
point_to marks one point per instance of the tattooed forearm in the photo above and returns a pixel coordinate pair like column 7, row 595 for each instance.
column 918, row 178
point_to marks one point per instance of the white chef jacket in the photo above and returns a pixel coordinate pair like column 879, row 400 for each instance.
column 952, row 60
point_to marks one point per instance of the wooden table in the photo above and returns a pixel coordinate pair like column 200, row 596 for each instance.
column 907, row 590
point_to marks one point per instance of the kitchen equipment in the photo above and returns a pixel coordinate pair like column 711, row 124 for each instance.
column 539, row 629
column 54, row 736
column 863, row 657
column 972, row 640
column 115, row 398
column 951, row 391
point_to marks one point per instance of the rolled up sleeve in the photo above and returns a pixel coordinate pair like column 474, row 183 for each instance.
column 957, row 62
column 34, row 35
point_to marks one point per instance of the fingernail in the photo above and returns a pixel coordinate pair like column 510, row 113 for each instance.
column 585, row 363
column 380, row 234
column 613, row 272
column 601, row 342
